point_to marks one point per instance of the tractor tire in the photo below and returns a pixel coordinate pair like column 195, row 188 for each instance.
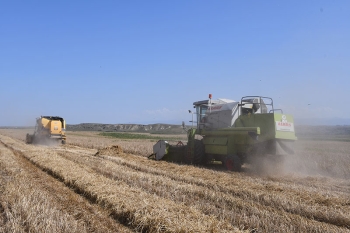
column 199, row 155
column 29, row 138
column 233, row 163
column 188, row 156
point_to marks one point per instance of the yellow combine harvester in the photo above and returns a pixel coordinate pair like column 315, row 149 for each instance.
column 48, row 129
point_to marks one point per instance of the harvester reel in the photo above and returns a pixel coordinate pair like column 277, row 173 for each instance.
column 232, row 163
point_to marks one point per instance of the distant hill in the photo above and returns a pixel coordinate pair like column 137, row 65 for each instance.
column 336, row 132
column 323, row 132
column 151, row 128
column 322, row 121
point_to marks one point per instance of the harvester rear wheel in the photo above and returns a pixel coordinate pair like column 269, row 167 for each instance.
column 233, row 163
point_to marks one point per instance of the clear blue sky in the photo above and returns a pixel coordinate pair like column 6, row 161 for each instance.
column 148, row 61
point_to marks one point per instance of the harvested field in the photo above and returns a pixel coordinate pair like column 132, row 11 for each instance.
column 88, row 185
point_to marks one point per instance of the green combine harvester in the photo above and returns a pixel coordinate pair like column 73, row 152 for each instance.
column 233, row 133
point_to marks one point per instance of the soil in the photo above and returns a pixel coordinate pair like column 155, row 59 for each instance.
column 110, row 150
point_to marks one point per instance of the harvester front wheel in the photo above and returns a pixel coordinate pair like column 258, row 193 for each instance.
column 29, row 138
column 199, row 155
column 233, row 163
column 195, row 152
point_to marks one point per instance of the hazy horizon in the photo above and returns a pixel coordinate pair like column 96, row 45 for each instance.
column 298, row 122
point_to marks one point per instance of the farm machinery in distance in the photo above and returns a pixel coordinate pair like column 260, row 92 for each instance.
column 48, row 129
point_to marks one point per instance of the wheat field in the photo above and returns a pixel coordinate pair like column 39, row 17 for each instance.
column 72, row 188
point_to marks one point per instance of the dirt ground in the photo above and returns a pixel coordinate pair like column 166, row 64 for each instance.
column 72, row 188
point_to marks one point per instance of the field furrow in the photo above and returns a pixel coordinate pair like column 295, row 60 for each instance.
column 314, row 203
column 141, row 210
column 32, row 197
column 235, row 208
column 157, row 196
column 26, row 208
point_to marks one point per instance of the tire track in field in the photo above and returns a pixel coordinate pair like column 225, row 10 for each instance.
column 273, row 186
column 260, row 194
column 94, row 217
column 3, row 218
column 140, row 165
column 304, row 203
column 213, row 202
column 146, row 211
column 339, row 187
column 28, row 207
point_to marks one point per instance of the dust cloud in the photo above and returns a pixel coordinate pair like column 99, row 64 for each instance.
column 311, row 158
column 47, row 142
column 322, row 148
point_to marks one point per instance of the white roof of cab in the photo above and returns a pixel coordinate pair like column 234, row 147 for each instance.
column 218, row 101
column 227, row 100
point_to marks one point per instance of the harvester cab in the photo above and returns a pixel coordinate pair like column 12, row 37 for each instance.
column 222, row 113
column 236, row 132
